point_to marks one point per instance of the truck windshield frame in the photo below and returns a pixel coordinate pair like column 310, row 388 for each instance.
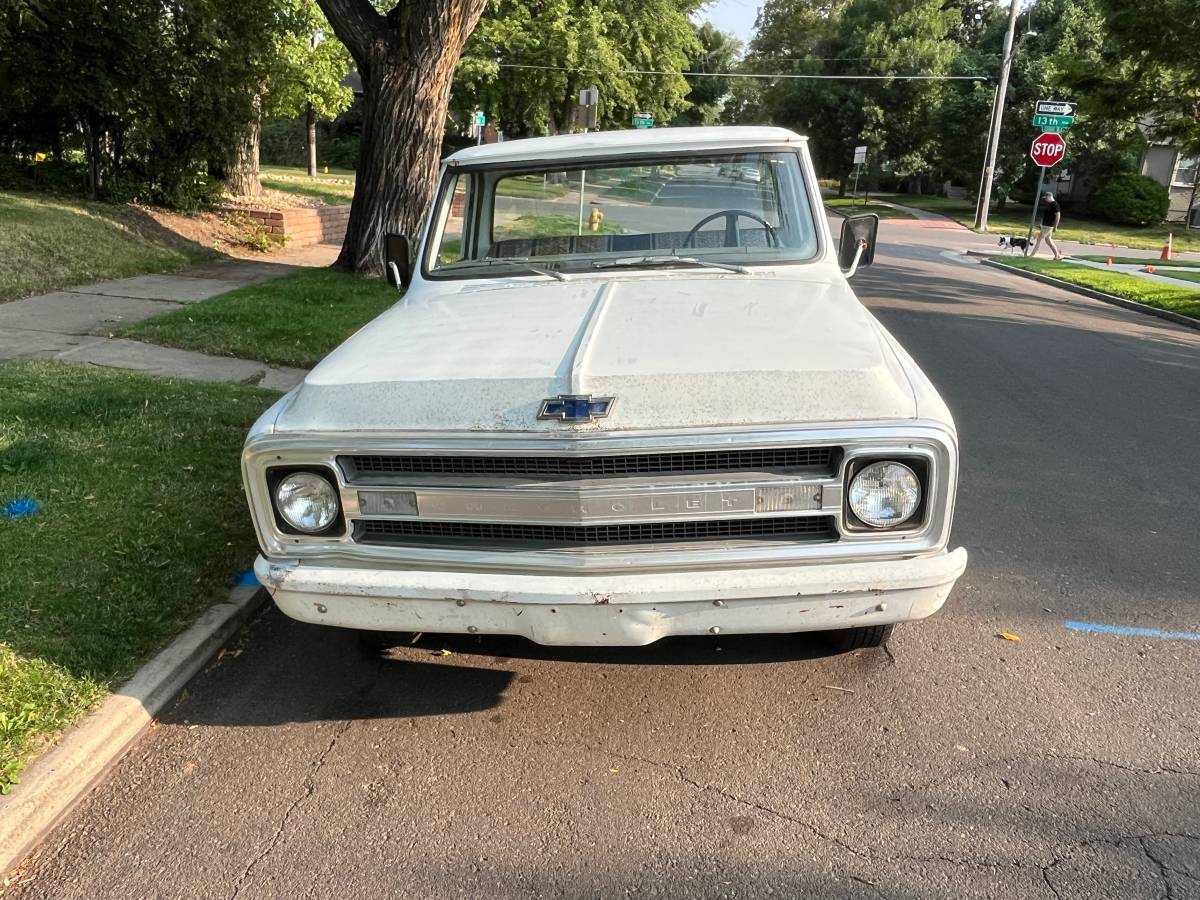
column 744, row 207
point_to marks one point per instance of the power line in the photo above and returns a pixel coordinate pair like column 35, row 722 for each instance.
column 755, row 74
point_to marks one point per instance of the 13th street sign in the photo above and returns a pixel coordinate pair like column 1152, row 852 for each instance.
column 1055, row 108
column 1048, row 149
column 1052, row 123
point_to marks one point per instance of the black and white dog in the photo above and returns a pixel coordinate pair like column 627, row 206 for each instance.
column 1014, row 243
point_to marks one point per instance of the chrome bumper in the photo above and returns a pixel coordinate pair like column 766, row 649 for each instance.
column 609, row 610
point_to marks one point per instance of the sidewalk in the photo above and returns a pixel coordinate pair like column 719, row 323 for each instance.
column 77, row 325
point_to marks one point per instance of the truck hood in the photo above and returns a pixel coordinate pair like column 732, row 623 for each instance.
column 676, row 351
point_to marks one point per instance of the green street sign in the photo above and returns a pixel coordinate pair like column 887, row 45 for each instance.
column 643, row 120
column 1053, row 123
column 480, row 118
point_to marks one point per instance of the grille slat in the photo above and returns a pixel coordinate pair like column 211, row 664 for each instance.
column 762, row 460
column 516, row 535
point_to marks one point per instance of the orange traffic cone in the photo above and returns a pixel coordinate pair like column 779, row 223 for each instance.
column 1166, row 251
column 1108, row 262
column 1150, row 270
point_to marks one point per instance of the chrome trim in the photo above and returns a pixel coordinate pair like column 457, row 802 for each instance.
column 563, row 400
column 933, row 440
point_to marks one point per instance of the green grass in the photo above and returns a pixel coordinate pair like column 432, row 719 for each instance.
column 1183, row 276
column 292, row 321
column 531, row 186
column 142, row 524
column 335, row 188
column 551, row 225
column 1185, row 301
column 850, row 206
column 1014, row 218
column 1140, row 260
column 50, row 243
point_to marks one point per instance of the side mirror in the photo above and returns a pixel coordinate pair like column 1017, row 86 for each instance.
column 857, row 247
column 396, row 260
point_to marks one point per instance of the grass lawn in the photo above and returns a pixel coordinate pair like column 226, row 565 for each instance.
column 532, row 186
column 48, row 243
column 1163, row 296
column 1014, row 219
column 1139, row 260
column 335, row 188
column 1185, row 276
column 550, row 225
column 291, row 321
column 849, row 206
column 142, row 524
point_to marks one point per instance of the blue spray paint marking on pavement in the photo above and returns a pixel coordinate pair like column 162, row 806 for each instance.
column 1129, row 631
column 22, row 506
column 247, row 577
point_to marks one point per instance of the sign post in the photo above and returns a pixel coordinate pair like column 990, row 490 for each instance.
column 478, row 120
column 860, row 157
column 1046, row 151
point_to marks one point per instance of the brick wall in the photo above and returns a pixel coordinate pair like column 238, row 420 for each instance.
column 315, row 225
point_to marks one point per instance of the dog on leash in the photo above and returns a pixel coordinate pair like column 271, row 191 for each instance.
column 1009, row 244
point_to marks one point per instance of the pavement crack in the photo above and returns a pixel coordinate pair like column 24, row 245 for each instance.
column 1137, row 770
column 307, row 789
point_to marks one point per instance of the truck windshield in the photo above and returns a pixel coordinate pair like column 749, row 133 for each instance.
column 735, row 209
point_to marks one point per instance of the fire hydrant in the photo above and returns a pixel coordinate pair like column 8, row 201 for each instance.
column 595, row 219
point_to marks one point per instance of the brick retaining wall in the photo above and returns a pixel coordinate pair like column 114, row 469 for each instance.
column 305, row 225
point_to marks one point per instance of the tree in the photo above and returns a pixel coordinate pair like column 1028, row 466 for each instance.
column 406, row 58
column 295, row 71
column 718, row 52
column 568, row 45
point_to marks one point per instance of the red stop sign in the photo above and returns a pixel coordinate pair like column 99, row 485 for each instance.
column 1048, row 149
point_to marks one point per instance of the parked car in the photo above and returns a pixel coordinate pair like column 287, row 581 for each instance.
column 679, row 422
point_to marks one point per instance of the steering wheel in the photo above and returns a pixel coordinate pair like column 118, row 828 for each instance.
column 732, row 238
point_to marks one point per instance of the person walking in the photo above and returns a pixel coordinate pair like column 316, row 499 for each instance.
column 1051, row 216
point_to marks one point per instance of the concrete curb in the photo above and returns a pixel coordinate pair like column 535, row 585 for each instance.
column 1178, row 319
column 57, row 781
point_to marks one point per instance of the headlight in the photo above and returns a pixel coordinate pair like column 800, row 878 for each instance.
column 307, row 502
column 885, row 494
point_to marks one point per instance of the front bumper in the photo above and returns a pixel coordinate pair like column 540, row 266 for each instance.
column 610, row 610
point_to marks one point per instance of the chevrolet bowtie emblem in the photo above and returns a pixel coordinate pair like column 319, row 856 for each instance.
column 576, row 408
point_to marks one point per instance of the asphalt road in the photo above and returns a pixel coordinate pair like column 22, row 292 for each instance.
column 1065, row 765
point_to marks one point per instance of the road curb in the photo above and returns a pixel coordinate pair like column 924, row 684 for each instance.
column 1098, row 295
column 58, row 780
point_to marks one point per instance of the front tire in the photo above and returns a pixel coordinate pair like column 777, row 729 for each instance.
column 860, row 638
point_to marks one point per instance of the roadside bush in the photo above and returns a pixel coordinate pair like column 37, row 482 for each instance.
column 1131, row 200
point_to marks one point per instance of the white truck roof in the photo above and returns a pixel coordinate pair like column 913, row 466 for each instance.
column 628, row 141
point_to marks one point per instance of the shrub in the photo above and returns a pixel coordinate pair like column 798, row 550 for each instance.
column 1131, row 200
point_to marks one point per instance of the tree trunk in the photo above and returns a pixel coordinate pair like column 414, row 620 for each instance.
column 241, row 177
column 1187, row 213
column 406, row 60
column 311, row 129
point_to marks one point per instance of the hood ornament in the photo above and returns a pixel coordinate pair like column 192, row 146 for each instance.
column 576, row 408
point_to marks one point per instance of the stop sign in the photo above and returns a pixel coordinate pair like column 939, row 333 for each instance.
column 1048, row 149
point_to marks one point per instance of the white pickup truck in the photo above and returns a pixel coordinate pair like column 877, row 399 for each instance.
column 624, row 396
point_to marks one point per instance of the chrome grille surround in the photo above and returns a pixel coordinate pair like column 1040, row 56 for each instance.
column 550, row 501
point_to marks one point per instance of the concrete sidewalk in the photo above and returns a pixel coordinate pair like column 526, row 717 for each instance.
column 78, row 325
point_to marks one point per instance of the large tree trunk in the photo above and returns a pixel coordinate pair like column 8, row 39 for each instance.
column 406, row 60
column 242, row 175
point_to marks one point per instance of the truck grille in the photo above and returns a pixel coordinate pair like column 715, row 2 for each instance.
column 548, row 537
column 768, row 460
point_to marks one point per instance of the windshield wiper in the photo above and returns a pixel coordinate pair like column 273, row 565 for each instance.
column 638, row 262
column 523, row 261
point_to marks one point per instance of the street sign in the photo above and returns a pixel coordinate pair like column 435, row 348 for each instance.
column 1057, row 124
column 860, row 155
column 479, row 118
column 1055, row 108
column 1048, row 149
column 589, row 96
column 643, row 120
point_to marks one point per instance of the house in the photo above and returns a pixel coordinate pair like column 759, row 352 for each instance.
column 1167, row 165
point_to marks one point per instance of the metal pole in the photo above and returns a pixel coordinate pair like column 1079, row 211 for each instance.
column 989, row 165
column 1037, row 201
column 582, row 185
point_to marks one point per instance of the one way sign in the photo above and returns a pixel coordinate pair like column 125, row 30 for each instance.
column 1055, row 108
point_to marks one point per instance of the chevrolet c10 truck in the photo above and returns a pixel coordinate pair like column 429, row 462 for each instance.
column 627, row 393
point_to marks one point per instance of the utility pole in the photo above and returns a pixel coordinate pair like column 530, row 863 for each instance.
column 989, row 164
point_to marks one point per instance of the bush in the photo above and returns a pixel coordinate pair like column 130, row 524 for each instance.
column 1131, row 200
